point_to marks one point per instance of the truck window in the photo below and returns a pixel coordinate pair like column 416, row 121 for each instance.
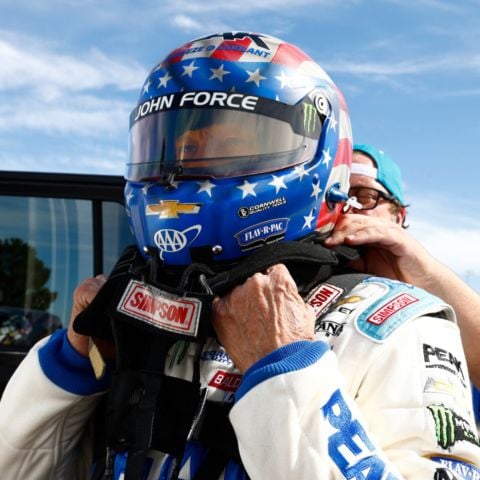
column 116, row 233
column 46, row 250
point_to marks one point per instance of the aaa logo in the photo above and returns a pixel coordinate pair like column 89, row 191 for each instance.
column 171, row 241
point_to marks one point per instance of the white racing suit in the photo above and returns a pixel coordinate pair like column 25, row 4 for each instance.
column 382, row 394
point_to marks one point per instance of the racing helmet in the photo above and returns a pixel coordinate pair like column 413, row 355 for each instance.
column 237, row 140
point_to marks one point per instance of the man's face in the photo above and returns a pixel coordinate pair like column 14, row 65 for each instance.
column 385, row 208
column 220, row 148
column 216, row 141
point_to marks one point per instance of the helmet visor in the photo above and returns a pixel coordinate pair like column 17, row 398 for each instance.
column 232, row 136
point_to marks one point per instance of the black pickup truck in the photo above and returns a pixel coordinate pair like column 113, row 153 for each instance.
column 55, row 230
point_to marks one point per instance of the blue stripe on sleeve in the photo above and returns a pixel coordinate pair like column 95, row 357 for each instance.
column 288, row 358
column 66, row 368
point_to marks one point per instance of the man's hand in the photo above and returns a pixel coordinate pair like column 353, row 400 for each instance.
column 263, row 314
column 82, row 297
column 393, row 253
column 390, row 251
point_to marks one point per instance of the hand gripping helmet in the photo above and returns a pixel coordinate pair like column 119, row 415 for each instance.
column 238, row 140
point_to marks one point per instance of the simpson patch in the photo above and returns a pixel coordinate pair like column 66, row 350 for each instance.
column 400, row 303
column 161, row 309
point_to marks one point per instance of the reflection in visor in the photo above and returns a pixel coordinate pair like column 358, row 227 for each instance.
column 219, row 143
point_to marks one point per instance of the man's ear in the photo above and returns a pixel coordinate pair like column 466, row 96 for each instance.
column 400, row 215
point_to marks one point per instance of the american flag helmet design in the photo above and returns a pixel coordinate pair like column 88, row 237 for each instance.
column 235, row 142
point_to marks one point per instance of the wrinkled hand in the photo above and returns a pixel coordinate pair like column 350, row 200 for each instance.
column 82, row 297
column 259, row 316
column 390, row 251
column 393, row 252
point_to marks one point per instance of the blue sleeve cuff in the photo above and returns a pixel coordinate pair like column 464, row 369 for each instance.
column 288, row 358
column 69, row 370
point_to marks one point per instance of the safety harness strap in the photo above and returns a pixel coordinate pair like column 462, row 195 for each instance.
column 94, row 320
column 308, row 262
column 145, row 413
column 212, row 466
column 147, row 409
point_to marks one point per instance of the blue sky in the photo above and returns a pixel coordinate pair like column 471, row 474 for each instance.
column 71, row 71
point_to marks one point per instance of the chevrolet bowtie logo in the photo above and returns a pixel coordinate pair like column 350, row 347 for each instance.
column 172, row 208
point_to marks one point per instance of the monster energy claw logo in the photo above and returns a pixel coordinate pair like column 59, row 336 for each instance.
column 450, row 427
column 309, row 118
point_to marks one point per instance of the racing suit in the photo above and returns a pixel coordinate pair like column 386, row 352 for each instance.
column 382, row 393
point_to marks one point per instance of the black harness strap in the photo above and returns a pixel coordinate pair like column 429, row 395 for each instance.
column 309, row 263
column 145, row 412
column 137, row 386
column 216, row 430
column 348, row 279
column 147, row 409
column 99, row 440
column 212, row 466
column 94, row 320
column 174, row 414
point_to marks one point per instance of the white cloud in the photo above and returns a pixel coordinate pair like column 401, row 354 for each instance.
column 197, row 25
column 446, row 6
column 97, row 161
column 449, row 243
column 452, row 236
column 472, row 92
column 187, row 23
column 43, row 90
column 247, row 6
column 40, row 70
column 76, row 115
column 452, row 63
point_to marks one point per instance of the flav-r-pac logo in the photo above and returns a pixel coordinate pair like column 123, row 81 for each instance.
column 309, row 118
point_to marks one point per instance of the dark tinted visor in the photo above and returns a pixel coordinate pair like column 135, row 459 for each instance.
column 219, row 134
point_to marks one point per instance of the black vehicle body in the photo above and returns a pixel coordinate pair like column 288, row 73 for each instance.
column 55, row 230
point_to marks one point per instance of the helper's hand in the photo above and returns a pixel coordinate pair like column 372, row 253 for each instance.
column 82, row 297
column 391, row 251
column 261, row 315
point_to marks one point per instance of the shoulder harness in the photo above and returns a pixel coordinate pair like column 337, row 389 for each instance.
column 147, row 409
